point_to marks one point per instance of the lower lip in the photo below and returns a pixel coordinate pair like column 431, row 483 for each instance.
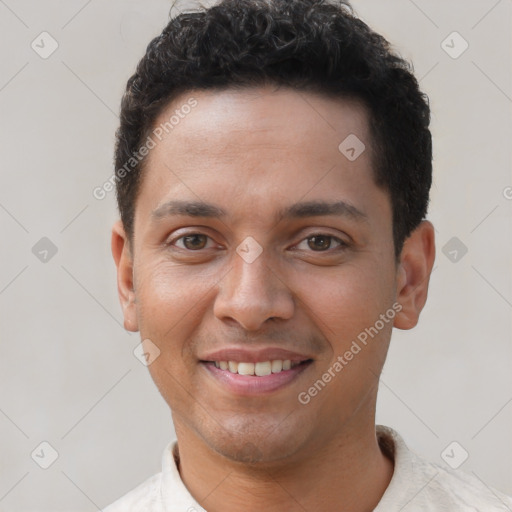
column 252, row 384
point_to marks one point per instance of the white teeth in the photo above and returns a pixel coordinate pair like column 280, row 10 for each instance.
column 246, row 368
column 277, row 366
column 261, row 369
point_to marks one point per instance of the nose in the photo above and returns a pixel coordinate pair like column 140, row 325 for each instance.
column 252, row 293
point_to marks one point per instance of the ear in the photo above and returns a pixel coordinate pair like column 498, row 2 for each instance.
column 124, row 263
column 413, row 274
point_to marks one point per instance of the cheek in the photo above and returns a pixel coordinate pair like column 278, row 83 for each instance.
column 345, row 300
column 347, row 307
column 171, row 300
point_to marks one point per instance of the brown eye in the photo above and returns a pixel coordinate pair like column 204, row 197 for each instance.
column 194, row 242
column 320, row 242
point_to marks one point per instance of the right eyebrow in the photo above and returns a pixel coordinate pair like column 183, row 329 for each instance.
column 187, row 208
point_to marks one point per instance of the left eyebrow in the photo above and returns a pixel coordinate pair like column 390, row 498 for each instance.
column 322, row 208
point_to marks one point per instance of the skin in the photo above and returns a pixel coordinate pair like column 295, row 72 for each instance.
column 251, row 153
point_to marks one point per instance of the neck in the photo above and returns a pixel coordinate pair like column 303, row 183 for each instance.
column 350, row 472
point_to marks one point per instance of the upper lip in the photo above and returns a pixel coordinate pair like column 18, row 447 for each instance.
column 242, row 355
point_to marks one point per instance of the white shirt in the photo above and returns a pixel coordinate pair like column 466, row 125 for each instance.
column 416, row 486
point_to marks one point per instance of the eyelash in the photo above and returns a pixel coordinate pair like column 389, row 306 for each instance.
column 342, row 244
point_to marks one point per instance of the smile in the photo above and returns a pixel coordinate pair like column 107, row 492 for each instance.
column 260, row 369
column 255, row 378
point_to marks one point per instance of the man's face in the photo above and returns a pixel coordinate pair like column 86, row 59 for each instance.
column 257, row 284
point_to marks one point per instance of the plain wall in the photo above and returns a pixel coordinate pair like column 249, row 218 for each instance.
column 67, row 369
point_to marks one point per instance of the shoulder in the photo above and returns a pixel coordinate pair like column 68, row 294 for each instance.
column 162, row 492
column 144, row 498
column 421, row 485
column 461, row 490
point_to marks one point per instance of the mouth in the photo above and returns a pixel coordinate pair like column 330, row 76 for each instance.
column 252, row 373
column 258, row 369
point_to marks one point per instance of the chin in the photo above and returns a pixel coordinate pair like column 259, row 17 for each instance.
column 254, row 440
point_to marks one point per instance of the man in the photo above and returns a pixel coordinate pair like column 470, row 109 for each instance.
column 273, row 173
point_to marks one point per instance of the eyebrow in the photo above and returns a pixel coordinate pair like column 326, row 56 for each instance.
column 189, row 209
column 297, row 210
column 322, row 208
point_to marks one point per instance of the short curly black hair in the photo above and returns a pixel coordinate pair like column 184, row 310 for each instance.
column 308, row 45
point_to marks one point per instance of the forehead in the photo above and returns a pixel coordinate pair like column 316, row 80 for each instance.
column 224, row 119
column 260, row 148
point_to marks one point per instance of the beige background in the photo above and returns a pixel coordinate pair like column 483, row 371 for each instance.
column 67, row 369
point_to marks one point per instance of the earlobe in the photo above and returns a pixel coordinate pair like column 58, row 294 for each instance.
column 413, row 275
column 125, row 286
